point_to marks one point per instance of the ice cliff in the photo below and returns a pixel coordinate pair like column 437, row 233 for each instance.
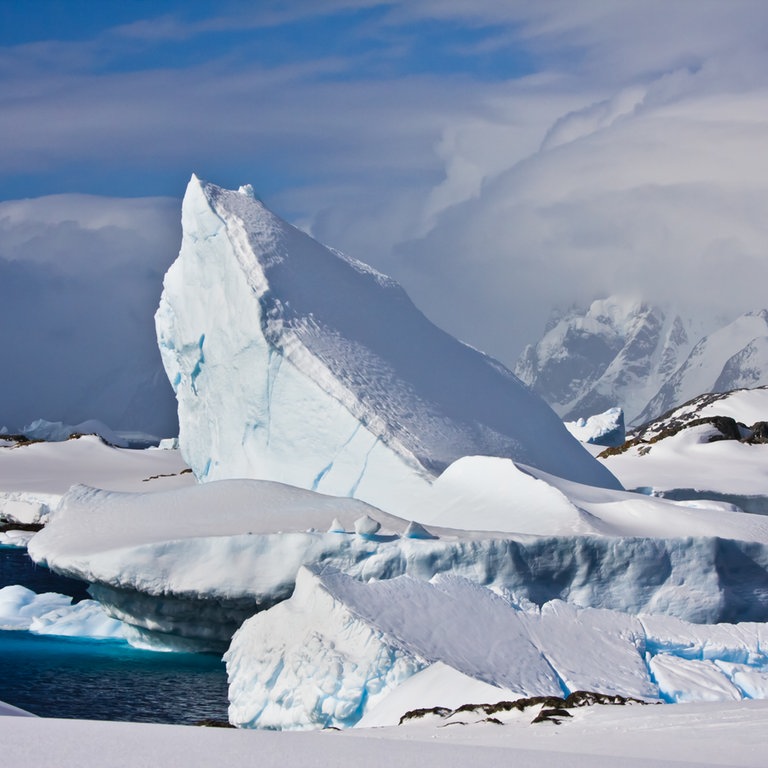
column 294, row 363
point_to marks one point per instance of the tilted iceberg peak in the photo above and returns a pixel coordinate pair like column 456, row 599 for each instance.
column 293, row 362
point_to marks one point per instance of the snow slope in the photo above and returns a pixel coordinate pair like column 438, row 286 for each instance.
column 292, row 362
column 338, row 648
column 687, row 460
column 34, row 477
column 719, row 734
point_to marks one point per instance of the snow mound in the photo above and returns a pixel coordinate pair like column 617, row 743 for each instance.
column 341, row 652
column 673, row 454
column 293, row 363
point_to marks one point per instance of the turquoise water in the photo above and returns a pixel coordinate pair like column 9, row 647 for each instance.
column 101, row 680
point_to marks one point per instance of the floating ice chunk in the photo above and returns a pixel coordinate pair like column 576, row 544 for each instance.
column 366, row 526
column 19, row 606
column 19, row 508
column 54, row 614
column 601, row 429
column 292, row 363
column 310, row 663
column 15, row 538
column 84, row 619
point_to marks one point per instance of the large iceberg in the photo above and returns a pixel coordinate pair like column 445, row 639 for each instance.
column 292, row 362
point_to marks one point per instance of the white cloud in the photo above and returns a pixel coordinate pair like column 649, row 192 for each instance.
column 633, row 158
column 661, row 191
column 80, row 279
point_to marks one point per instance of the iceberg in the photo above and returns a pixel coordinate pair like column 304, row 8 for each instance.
column 292, row 362
column 53, row 614
column 601, row 429
column 193, row 563
column 335, row 653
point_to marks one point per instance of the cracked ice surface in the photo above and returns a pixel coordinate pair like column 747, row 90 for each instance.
column 293, row 363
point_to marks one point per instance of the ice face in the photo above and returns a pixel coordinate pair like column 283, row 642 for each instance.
column 293, row 363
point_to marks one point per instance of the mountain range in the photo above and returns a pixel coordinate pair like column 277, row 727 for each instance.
column 641, row 357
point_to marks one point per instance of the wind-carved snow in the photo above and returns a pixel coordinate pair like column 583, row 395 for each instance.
column 335, row 653
column 319, row 372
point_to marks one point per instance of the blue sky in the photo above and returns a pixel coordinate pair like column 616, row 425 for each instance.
column 498, row 157
column 121, row 98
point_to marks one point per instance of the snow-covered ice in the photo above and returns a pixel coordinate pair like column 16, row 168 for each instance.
column 34, row 477
column 294, row 363
column 708, row 734
column 687, row 460
column 195, row 562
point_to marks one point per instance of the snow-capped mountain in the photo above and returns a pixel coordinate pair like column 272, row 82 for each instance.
column 732, row 357
column 616, row 353
column 646, row 360
column 292, row 362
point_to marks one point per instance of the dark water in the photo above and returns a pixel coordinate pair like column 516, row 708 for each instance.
column 17, row 568
column 97, row 679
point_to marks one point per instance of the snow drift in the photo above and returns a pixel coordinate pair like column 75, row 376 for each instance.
column 292, row 362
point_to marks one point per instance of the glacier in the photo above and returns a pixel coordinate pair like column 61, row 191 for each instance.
column 332, row 654
column 292, row 362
